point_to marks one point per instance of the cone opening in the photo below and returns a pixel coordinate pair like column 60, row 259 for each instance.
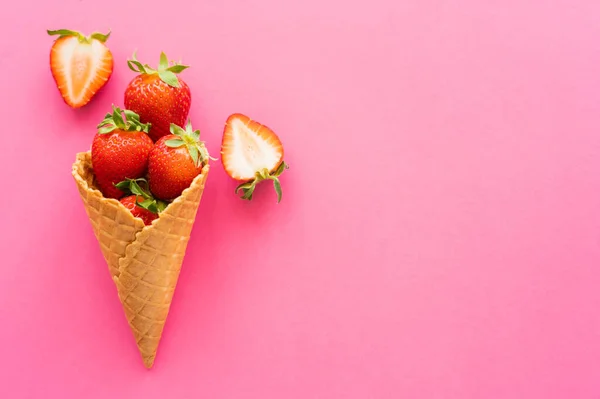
column 83, row 172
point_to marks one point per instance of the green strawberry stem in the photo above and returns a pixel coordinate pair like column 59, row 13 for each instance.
column 101, row 37
column 114, row 121
column 191, row 139
column 133, row 187
column 167, row 73
column 247, row 188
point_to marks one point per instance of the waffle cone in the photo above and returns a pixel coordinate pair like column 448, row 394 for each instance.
column 144, row 261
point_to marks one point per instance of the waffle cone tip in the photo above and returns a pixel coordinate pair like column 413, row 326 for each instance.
column 148, row 361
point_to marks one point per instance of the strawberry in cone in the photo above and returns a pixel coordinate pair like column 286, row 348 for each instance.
column 120, row 150
column 134, row 204
column 140, row 201
column 142, row 238
column 175, row 161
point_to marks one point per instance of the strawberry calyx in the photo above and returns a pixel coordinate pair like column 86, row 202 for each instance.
column 167, row 73
column 101, row 37
column 130, row 123
column 191, row 139
column 247, row 188
column 134, row 187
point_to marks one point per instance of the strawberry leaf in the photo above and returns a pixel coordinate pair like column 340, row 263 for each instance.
column 169, row 78
column 283, row 166
column 131, row 116
column 118, row 118
column 132, row 186
column 106, row 129
column 136, row 66
column 153, row 205
column 164, row 71
column 177, row 68
column 136, row 189
column 191, row 138
column 100, row 36
column 114, row 121
column 148, row 204
column 123, row 186
column 63, row 32
column 247, row 188
column 248, row 194
column 277, row 187
column 176, row 130
column 244, row 185
column 66, row 33
column 174, row 143
column 161, row 205
column 163, row 63
column 193, row 150
column 80, row 36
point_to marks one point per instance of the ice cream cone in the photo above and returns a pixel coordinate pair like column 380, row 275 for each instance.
column 144, row 261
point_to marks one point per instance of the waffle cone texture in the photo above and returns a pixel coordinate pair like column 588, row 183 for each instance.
column 144, row 261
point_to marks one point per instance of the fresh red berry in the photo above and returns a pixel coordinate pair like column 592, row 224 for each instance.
column 175, row 161
column 159, row 97
column 136, row 210
column 120, row 151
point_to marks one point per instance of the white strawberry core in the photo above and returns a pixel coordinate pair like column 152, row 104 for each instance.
column 75, row 59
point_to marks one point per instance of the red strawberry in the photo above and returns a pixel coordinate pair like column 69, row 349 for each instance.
column 175, row 161
column 251, row 152
column 159, row 97
column 137, row 211
column 140, row 203
column 120, row 150
column 81, row 65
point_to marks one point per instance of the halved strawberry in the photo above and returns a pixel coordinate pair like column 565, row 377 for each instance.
column 251, row 152
column 81, row 65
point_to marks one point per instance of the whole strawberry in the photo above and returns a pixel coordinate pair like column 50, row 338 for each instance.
column 175, row 161
column 139, row 201
column 159, row 97
column 120, row 150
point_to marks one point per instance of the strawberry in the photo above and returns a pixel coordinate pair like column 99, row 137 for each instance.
column 140, row 202
column 175, row 161
column 160, row 97
column 131, row 203
column 120, row 150
column 251, row 152
column 80, row 65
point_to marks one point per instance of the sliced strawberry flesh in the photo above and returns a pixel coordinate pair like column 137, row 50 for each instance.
column 249, row 147
column 80, row 69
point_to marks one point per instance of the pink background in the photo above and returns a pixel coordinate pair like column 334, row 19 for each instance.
column 440, row 227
